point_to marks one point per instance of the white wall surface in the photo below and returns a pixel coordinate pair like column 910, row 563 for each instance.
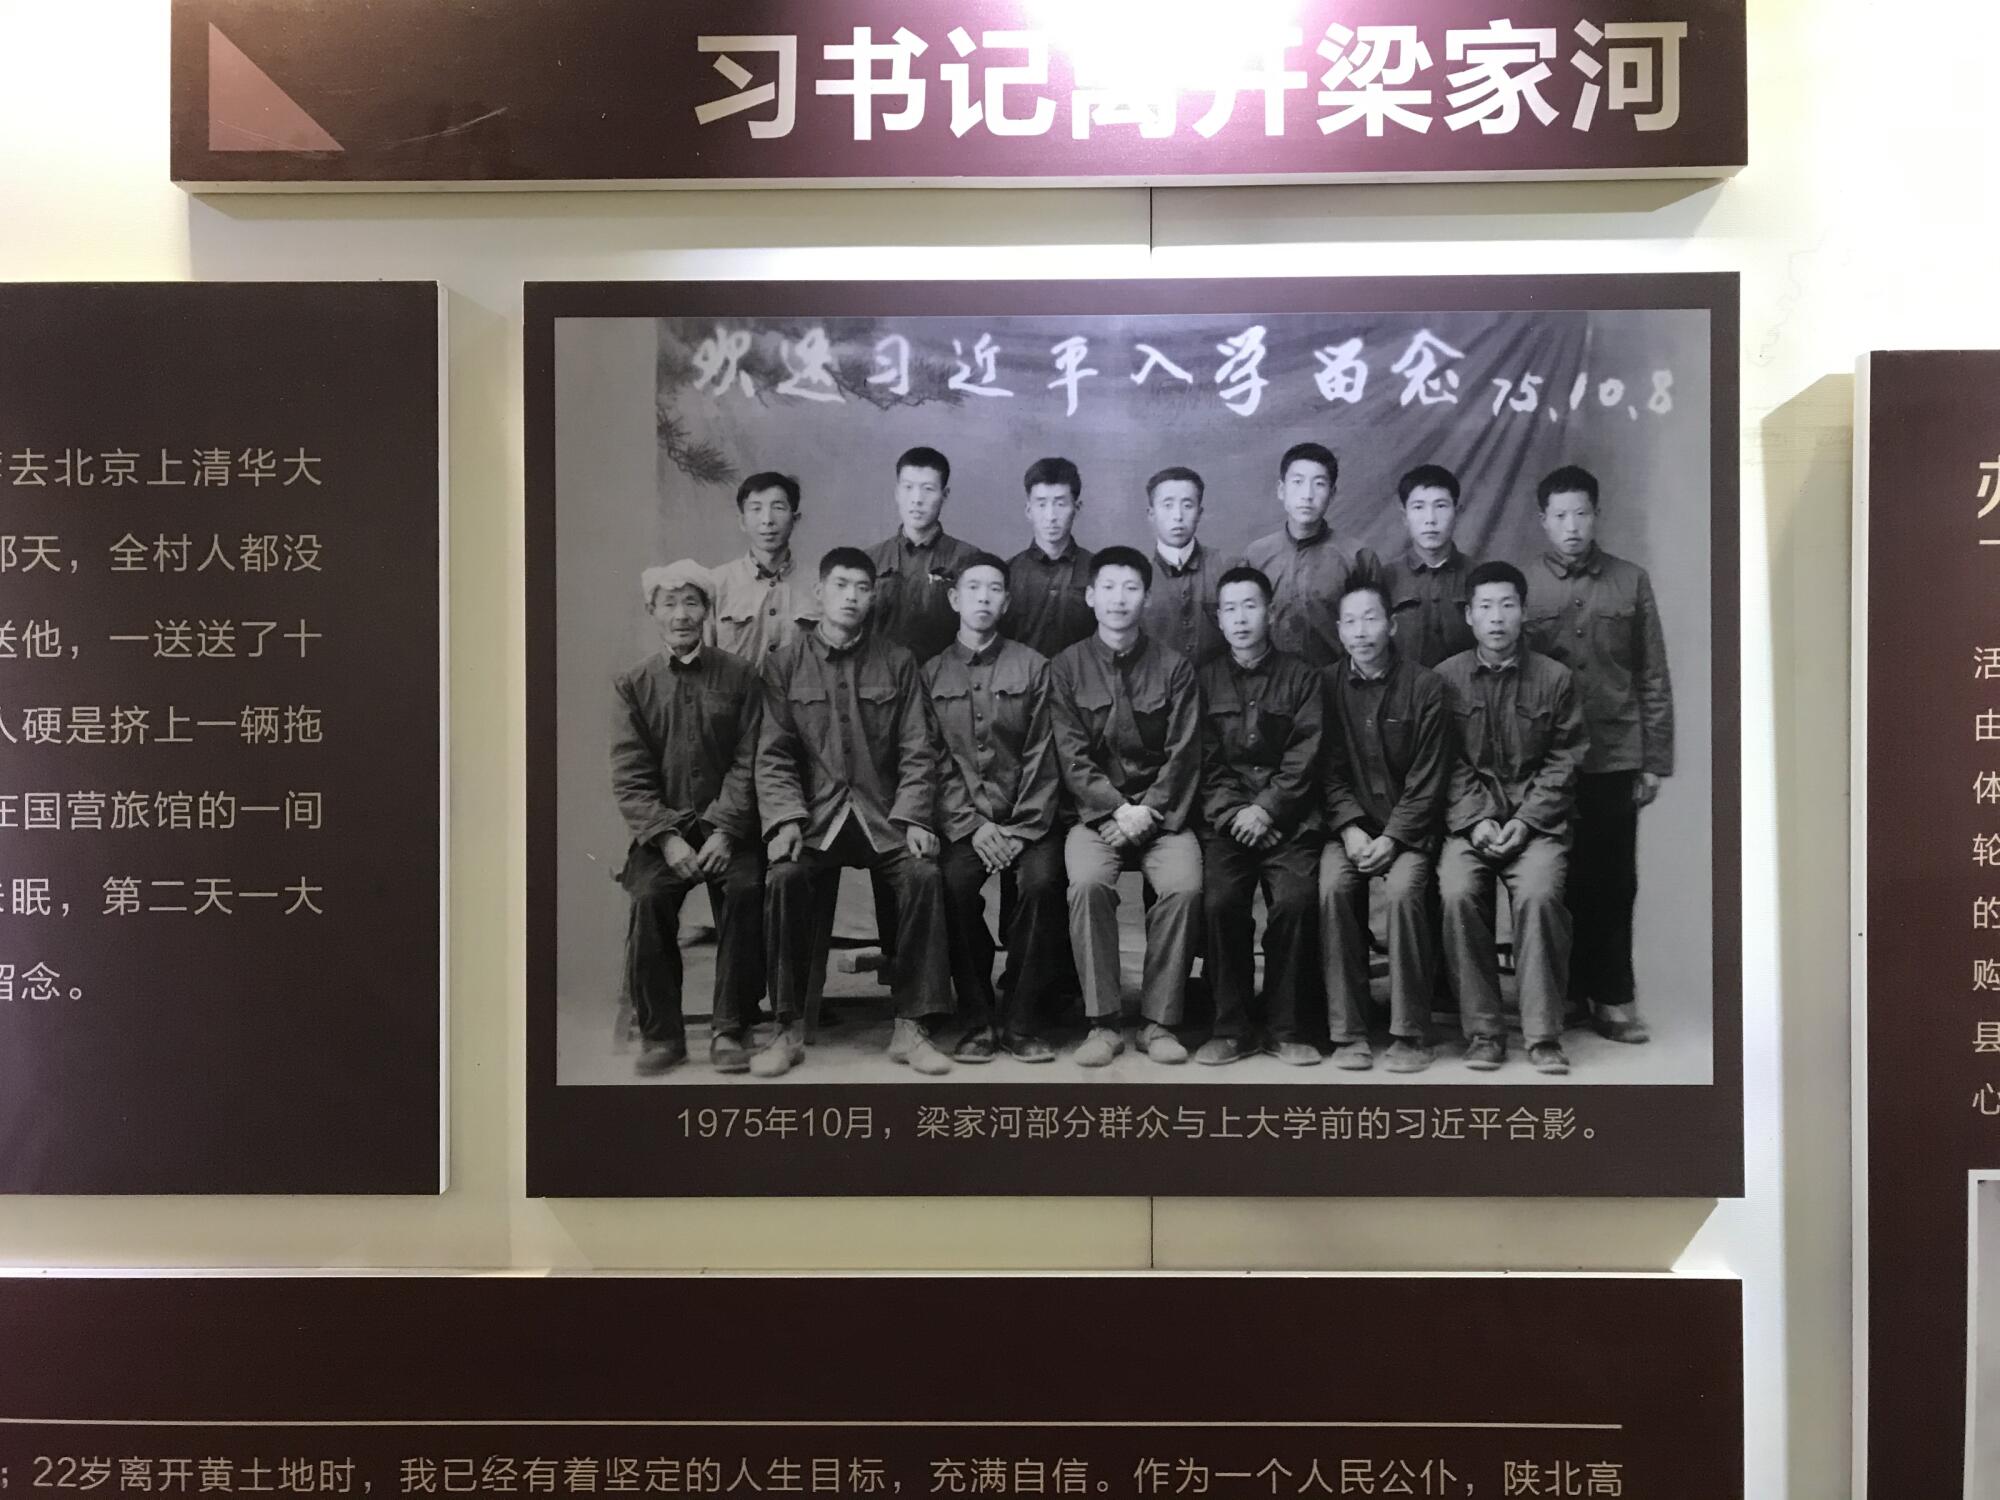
column 1867, row 221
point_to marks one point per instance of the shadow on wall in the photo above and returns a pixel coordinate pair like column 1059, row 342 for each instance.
column 1807, row 487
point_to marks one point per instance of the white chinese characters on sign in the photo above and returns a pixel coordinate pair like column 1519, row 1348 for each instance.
column 986, row 355
column 1070, row 355
column 783, row 94
column 1240, row 373
column 1369, row 77
column 1989, row 495
column 1496, row 77
column 989, row 108
column 892, row 365
column 1425, row 380
column 810, row 362
column 865, row 87
column 1645, row 64
column 1504, row 70
column 1238, row 368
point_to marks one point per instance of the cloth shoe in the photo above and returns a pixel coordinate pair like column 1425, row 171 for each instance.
column 1548, row 1057
column 728, row 1054
column 783, row 1052
column 911, row 1045
column 1409, row 1055
column 1102, row 1045
column 1161, row 1045
column 1219, row 1051
column 656, row 1057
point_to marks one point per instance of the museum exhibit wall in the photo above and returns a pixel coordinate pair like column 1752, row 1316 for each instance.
column 1865, row 221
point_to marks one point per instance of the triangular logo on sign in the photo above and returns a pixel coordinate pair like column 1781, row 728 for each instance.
column 248, row 112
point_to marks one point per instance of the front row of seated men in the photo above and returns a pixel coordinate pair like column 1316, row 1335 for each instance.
column 1255, row 772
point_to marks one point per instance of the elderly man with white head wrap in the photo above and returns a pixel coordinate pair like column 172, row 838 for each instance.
column 683, row 745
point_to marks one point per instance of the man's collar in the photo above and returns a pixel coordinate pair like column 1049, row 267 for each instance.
column 782, row 570
column 1041, row 554
column 685, row 663
column 1416, row 562
column 1119, row 658
column 982, row 656
column 1178, row 559
column 853, row 642
column 1592, row 562
column 1263, row 661
column 1320, row 533
column 1511, row 664
column 1355, row 674
column 924, row 546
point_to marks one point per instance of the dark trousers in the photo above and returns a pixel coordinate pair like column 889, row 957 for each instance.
column 1062, row 986
column 1037, row 934
column 1604, row 888
column 1289, row 877
column 799, row 897
column 1410, row 899
column 652, row 940
column 884, row 891
column 1468, row 885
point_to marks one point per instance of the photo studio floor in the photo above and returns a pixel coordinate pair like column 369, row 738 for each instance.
column 596, row 1045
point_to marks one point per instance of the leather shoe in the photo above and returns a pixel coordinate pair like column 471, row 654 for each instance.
column 1620, row 1023
column 1218, row 1051
column 980, row 1046
column 1028, row 1049
column 1485, row 1053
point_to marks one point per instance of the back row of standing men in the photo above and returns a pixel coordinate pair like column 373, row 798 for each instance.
column 1302, row 721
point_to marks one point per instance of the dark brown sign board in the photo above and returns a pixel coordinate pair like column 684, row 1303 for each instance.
column 481, row 1385
column 221, row 738
column 606, row 93
column 1926, row 898
column 647, row 403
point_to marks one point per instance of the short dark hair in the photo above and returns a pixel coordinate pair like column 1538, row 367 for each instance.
column 1364, row 578
column 1427, row 477
column 1244, row 573
column 983, row 560
column 768, row 480
column 1496, row 571
column 1122, row 557
column 1053, row 471
column 847, row 557
column 1317, row 453
column 926, row 458
column 1564, row 480
column 1173, row 472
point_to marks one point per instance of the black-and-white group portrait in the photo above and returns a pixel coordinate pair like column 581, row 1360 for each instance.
column 1140, row 697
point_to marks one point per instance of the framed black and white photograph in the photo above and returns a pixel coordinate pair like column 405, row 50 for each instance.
column 1117, row 737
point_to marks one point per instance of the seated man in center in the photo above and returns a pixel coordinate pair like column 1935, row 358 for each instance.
column 1261, row 826
column 1388, row 764
column 847, row 775
column 1521, row 740
column 1127, row 715
column 997, row 794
